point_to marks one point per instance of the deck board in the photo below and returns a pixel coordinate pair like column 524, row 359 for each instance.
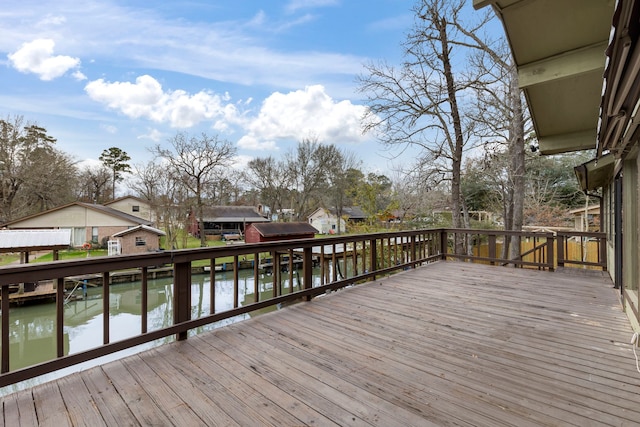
column 446, row 344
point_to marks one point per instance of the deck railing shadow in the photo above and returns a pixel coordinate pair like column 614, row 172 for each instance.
column 341, row 261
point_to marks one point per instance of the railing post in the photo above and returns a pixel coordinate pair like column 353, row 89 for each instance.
column 413, row 251
column 443, row 244
column 60, row 316
column 373, row 255
column 492, row 248
column 181, row 295
column 105, row 307
column 307, row 269
column 550, row 252
column 4, row 367
column 602, row 251
column 560, row 239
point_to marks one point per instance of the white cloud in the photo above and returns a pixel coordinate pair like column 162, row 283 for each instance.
column 153, row 134
column 296, row 115
column 251, row 142
column 309, row 4
column 89, row 164
column 79, row 76
column 146, row 99
column 37, row 57
column 52, row 20
column 109, row 128
column 241, row 161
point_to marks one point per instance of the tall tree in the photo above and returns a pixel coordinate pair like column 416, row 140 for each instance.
column 309, row 167
column 271, row 178
column 502, row 124
column 116, row 160
column 198, row 161
column 93, row 185
column 166, row 194
column 52, row 184
column 340, row 174
column 374, row 195
column 24, row 148
column 422, row 104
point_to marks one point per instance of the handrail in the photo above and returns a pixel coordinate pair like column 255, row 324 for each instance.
column 341, row 260
column 583, row 240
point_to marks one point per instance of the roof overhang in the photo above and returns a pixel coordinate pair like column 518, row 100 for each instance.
column 595, row 173
column 559, row 48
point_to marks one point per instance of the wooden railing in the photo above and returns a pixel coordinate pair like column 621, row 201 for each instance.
column 582, row 249
column 339, row 261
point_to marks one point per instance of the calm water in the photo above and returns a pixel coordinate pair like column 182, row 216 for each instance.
column 32, row 328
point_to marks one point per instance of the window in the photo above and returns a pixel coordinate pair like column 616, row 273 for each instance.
column 135, row 208
column 94, row 234
column 140, row 241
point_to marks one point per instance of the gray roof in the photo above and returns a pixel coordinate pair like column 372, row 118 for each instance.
column 233, row 214
column 284, row 229
column 16, row 240
column 352, row 212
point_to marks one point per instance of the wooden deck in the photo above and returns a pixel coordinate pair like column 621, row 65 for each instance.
column 445, row 344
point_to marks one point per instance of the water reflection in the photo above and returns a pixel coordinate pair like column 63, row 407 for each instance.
column 32, row 328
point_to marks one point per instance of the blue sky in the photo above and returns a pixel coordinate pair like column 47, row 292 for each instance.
column 261, row 74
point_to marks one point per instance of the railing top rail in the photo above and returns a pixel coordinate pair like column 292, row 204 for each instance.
column 33, row 272
column 498, row 232
column 596, row 234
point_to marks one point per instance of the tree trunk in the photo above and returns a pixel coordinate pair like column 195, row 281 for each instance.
column 456, row 162
column 517, row 164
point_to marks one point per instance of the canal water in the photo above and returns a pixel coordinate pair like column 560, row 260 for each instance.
column 33, row 331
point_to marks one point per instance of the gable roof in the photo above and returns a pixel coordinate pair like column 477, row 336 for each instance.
column 233, row 214
column 284, row 229
column 99, row 208
column 138, row 228
column 119, row 199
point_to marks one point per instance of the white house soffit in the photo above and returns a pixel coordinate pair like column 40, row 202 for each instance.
column 576, row 141
column 562, row 66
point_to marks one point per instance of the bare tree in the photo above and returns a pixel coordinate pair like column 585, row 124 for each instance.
column 198, row 161
column 502, row 124
column 272, row 180
column 308, row 167
column 340, row 181
column 93, row 185
column 165, row 193
column 423, row 102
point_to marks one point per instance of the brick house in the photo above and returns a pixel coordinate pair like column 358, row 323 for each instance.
column 139, row 239
column 87, row 222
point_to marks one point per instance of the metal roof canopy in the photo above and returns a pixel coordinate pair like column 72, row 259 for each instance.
column 34, row 240
column 559, row 49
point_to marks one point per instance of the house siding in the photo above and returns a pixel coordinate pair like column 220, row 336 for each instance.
column 128, row 242
column 126, row 205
